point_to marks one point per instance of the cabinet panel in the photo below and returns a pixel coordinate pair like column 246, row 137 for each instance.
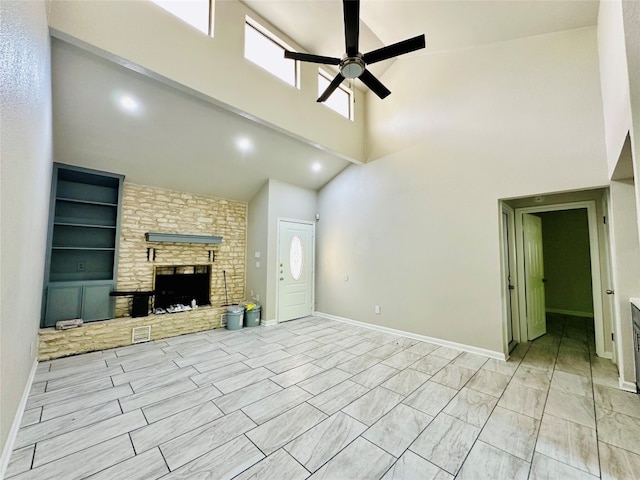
column 96, row 302
column 63, row 303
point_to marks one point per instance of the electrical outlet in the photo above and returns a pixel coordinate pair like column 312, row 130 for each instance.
column 377, row 309
column 257, row 297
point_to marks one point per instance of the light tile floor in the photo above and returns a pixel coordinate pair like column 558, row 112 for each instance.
column 314, row 398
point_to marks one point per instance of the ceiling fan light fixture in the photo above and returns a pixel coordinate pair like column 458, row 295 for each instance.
column 352, row 67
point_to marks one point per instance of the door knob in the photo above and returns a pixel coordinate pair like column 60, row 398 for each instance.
column 609, row 292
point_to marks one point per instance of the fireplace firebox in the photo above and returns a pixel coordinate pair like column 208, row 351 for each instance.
column 180, row 285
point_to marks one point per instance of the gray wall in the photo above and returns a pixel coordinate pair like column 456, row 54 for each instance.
column 567, row 261
column 25, row 180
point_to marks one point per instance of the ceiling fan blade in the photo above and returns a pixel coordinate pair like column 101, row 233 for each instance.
column 351, row 10
column 307, row 57
column 374, row 84
column 400, row 48
column 331, row 88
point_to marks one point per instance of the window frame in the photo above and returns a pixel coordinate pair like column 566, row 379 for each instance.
column 348, row 90
column 272, row 37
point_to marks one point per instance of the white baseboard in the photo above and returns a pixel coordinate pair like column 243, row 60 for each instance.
column 573, row 313
column 268, row 323
column 627, row 386
column 437, row 341
column 17, row 420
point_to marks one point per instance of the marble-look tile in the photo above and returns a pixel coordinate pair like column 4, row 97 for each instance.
column 575, row 408
column 617, row 463
column 36, row 388
column 374, row 376
column 164, row 430
column 430, row 364
column 406, row 382
column 247, row 395
column 524, row 400
column 67, row 443
column 140, row 400
column 200, row 357
column 358, row 364
column 385, row 351
column 350, row 341
column 277, row 466
column 471, row 406
column 267, row 358
column 333, row 360
column 362, row 347
column 546, row 468
column 470, row 360
column 512, row 432
column 508, row 367
column 423, row 348
column 81, row 378
column 145, row 372
column 571, row 383
column 191, row 445
column 29, row 417
column 405, row 342
column 20, row 461
column 431, row 398
column 140, row 348
column 243, row 379
column 411, row 467
column 144, row 359
column 398, row 429
column 319, row 444
column 68, row 393
column 324, row 381
column 373, row 405
column 446, row 352
column 160, row 380
column 569, row 443
column 280, row 430
column 446, row 442
column 84, row 401
column 453, row 376
column 402, row 360
column 617, row 400
column 297, row 374
column 221, row 373
column 618, row 429
column 274, row 405
column 334, row 399
column 180, row 402
column 604, row 372
column 222, row 463
column 488, row 382
column 83, row 463
column 66, row 423
column 146, row 466
column 303, row 347
column 80, row 366
column 485, row 461
column 574, row 361
column 361, row 459
column 532, row 377
column 220, row 364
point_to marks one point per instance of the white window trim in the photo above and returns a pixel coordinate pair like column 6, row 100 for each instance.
column 347, row 90
column 278, row 41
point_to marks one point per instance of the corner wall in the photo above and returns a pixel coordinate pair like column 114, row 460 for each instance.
column 25, row 182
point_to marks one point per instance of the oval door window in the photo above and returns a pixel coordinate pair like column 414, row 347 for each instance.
column 295, row 257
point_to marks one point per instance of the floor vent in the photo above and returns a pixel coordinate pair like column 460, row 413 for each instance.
column 141, row 334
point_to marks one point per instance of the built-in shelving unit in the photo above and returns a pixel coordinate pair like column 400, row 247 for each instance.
column 82, row 244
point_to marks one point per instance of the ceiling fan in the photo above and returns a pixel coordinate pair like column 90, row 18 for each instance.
column 354, row 64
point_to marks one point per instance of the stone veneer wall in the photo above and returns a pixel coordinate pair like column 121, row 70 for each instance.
column 151, row 209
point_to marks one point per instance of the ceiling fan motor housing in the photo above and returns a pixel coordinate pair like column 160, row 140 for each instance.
column 352, row 67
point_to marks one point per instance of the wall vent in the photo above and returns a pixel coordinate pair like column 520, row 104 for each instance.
column 223, row 320
column 141, row 334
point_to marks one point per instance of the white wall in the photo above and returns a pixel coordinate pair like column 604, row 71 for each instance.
column 257, row 241
column 614, row 78
column 25, row 182
column 143, row 36
column 417, row 230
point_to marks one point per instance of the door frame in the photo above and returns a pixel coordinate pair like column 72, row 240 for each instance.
column 594, row 251
column 276, row 276
column 508, row 254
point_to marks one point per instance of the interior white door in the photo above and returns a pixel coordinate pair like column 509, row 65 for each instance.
column 534, row 276
column 295, row 269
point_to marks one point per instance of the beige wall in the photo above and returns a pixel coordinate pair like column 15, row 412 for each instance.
column 257, row 241
column 141, row 33
column 25, row 182
column 416, row 231
column 150, row 209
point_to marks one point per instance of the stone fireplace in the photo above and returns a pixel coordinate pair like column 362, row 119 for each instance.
column 181, row 285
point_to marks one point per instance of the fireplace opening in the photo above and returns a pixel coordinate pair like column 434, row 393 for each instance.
column 180, row 285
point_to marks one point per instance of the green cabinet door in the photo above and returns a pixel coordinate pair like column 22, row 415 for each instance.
column 64, row 302
column 96, row 302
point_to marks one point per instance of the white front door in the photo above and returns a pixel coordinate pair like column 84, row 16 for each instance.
column 295, row 269
column 534, row 276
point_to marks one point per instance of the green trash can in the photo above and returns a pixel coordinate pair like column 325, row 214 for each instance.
column 234, row 317
column 252, row 315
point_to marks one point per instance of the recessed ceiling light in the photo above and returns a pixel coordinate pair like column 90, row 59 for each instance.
column 127, row 103
column 244, row 144
column 316, row 167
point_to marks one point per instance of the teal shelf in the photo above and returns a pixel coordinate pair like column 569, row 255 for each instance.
column 82, row 225
column 181, row 238
column 88, row 202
